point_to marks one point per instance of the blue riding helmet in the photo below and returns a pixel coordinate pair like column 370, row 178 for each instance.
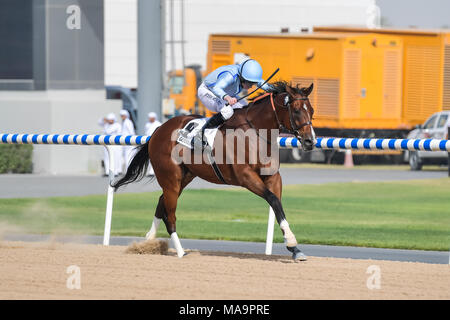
column 251, row 71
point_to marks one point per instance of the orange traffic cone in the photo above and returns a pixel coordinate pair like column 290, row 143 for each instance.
column 348, row 162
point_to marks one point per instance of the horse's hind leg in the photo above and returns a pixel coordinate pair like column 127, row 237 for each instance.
column 166, row 208
column 159, row 215
column 170, row 199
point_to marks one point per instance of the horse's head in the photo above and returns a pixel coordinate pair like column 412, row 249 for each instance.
column 299, row 114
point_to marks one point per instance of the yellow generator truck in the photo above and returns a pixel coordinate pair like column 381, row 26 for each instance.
column 357, row 77
column 183, row 85
column 425, row 69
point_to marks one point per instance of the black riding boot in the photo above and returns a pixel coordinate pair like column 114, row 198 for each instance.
column 213, row 122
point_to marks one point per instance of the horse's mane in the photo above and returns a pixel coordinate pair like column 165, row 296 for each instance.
column 280, row 87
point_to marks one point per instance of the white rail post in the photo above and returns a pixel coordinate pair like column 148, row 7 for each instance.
column 110, row 197
column 270, row 227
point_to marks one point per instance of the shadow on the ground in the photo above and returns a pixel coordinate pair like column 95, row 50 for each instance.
column 245, row 256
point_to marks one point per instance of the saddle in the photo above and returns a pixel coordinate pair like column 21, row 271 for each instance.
column 189, row 136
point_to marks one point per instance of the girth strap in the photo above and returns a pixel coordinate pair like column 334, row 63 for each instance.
column 215, row 166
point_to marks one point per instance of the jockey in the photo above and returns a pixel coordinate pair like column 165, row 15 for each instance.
column 220, row 88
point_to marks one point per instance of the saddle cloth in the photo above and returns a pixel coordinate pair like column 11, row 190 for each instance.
column 191, row 131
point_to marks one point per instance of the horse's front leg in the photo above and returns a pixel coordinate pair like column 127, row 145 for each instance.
column 273, row 197
column 270, row 190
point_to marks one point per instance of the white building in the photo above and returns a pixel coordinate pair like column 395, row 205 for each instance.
column 52, row 78
column 53, row 71
column 202, row 17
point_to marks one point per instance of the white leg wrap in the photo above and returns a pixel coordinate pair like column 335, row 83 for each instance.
column 152, row 233
column 289, row 238
column 177, row 244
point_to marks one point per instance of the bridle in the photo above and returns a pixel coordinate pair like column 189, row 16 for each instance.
column 295, row 130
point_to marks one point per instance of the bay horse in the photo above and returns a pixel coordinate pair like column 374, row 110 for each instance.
column 283, row 107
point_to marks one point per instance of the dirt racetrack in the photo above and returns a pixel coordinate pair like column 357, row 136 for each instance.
column 39, row 271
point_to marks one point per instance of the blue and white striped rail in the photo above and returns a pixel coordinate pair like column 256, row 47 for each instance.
column 372, row 144
column 83, row 139
column 283, row 142
column 80, row 139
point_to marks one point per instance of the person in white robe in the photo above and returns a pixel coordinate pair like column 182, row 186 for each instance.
column 152, row 124
column 112, row 127
column 127, row 130
column 150, row 127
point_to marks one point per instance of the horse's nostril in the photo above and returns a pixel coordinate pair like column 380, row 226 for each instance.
column 308, row 144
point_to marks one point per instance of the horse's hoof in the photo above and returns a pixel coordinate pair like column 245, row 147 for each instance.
column 297, row 255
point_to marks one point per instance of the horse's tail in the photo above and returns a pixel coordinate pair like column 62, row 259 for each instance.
column 137, row 169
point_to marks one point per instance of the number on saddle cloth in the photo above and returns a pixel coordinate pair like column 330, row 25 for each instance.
column 189, row 135
column 190, row 126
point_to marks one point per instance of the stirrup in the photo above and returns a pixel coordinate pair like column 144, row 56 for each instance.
column 200, row 136
column 212, row 123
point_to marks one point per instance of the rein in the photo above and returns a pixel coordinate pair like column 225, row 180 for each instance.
column 259, row 86
column 295, row 129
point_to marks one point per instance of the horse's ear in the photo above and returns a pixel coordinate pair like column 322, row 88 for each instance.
column 307, row 91
column 290, row 91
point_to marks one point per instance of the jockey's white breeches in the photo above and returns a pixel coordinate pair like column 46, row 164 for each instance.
column 215, row 104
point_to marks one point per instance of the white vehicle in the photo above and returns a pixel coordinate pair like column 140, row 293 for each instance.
column 436, row 127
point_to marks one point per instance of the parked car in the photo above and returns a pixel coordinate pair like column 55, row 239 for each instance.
column 436, row 127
